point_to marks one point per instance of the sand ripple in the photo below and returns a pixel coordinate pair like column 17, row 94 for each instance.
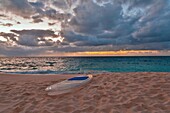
column 106, row 93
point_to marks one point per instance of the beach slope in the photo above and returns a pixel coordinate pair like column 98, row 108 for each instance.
column 107, row 93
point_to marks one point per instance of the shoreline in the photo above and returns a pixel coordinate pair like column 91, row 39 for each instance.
column 107, row 92
column 16, row 74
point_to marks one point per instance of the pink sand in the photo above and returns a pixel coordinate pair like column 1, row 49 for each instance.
column 106, row 93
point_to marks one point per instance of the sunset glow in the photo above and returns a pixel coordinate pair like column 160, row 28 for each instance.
column 122, row 52
column 109, row 53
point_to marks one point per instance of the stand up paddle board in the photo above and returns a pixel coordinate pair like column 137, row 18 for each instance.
column 68, row 85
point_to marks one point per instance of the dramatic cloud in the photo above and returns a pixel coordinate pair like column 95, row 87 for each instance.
column 86, row 25
column 37, row 37
column 18, row 7
column 123, row 22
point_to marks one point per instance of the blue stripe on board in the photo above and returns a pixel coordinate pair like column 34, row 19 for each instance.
column 79, row 78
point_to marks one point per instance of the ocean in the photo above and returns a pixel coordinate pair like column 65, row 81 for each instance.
column 69, row 65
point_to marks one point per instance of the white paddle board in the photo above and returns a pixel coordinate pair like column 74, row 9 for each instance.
column 68, row 85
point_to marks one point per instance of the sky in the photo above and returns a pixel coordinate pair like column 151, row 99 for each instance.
column 84, row 27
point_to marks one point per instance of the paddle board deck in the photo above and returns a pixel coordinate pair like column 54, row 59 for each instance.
column 68, row 85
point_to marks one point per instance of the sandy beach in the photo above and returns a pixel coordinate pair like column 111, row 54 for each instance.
column 107, row 93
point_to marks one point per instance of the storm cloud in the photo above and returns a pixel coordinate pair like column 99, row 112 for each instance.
column 36, row 37
column 18, row 7
column 123, row 22
column 93, row 25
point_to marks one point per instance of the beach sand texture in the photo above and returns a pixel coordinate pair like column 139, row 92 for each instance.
column 107, row 93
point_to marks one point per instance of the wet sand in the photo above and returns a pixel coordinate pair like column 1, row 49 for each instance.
column 106, row 93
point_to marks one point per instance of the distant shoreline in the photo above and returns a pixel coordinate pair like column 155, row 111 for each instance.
column 75, row 74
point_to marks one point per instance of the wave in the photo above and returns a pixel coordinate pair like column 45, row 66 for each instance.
column 55, row 72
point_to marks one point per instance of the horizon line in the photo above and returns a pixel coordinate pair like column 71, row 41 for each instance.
column 82, row 56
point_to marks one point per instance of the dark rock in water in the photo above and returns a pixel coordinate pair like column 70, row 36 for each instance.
column 50, row 63
column 34, row 68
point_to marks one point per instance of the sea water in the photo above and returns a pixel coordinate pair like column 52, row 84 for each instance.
column 66, row 65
